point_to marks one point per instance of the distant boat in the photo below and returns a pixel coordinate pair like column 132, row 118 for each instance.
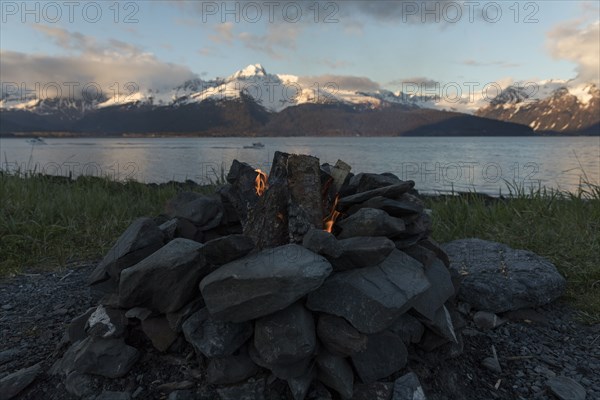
column 36, row 141
column 257, row 145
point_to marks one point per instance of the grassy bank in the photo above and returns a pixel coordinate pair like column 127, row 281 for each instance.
column 46, row 223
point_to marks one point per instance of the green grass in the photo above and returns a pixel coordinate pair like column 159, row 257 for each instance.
column 563, row 227
column 48, row 223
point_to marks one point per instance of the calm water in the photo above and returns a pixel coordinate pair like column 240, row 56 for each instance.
column 436, row 164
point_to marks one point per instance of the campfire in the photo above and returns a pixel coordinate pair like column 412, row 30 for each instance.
column 310, row 273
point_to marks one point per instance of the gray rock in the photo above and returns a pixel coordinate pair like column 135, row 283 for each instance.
column 80, row 385
column 262, row 283
column 215, row 338
column 442, row 324
column 159, row 332
column 9, row 355
column 227, row 248
column 434, row 246
column 76, row 328
column 205, row 212
column 282, row 371
column 106, row 323
column 373, row 391
column 177, row 318
column 372, row 298
column 139, row 240
column 493, row 365
column 232, row 369
column 300, row 385
column 285, row 337
column 370, row 222
column 361, row 252
column 248, row 391
column 169, row 228
column 566, row 388
column 494, row 277
column 140, row 313
column 487, row 320
column 396, row 208
column 367, row 181
column 172, row 386
column 12, row 384
column 336, row 373
column 440, row 291
column 339, row 337
column 408, row 328
column 384, row 355
column 110, row 358
column 408, row 387
column 110, row 395
column 392, row 192
column 166, row 280
column 182, row 395
column 322, row 242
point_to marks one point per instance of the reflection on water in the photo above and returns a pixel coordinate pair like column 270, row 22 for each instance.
column 436, row 164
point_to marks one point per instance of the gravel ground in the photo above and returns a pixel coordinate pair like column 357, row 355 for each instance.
column 531, row 346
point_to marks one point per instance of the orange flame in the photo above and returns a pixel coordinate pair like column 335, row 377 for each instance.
column 260, row 183
column 330, row 219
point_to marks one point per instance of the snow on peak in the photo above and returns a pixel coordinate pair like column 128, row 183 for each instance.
column 250, row 71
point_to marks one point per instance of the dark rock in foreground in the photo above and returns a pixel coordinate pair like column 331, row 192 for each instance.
column 262, row 283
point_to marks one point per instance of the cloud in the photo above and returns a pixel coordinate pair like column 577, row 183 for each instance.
column 224, row 33
column 417, row 80
column 502, row 64
column 342, row 82
column 90, row 61
column 578, row 42
column 278, row 39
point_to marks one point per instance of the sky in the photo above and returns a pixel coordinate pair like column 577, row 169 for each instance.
column 359, row 45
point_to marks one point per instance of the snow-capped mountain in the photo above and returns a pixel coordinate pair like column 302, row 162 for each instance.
column 551, row 106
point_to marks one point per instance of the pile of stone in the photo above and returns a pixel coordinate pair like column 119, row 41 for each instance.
column 256, row 285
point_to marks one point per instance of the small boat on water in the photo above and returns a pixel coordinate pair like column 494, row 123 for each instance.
column 257, row 145
column 36, row 141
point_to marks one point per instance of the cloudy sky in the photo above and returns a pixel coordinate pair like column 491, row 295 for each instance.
column 357, row 44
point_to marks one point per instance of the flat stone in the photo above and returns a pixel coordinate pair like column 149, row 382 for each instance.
column 205, row 212
column 173, row 386
column 80, row 385
column 111, row 395
column 440, row 291
column 566, row 388
column 373, row 391
column 177, row 318
column 248, row 391
column 408, row 328
column 169, row 229
column 110, row 358
column 227, row 248
column 285, row 337
column 395, row 208
column 106, row 323
column 487, row 320
column 339, row 337
column 231, row 369
column 263, row 283
column 370, row 222
column 336, row 372
column 140, row 313
column 367, row 181
column 12, row 384
column 494, row 277
column 434, row 246
column 159, row 332
column 165, row 281
column 361, row 252
column 408, row 387
column 282, row 371
column 322, row 242
column 372, row 298
column 215, row 338
column 392, row 192
column 384, row 355
column 76, row 328
column 139, row 240
column 442, row 324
